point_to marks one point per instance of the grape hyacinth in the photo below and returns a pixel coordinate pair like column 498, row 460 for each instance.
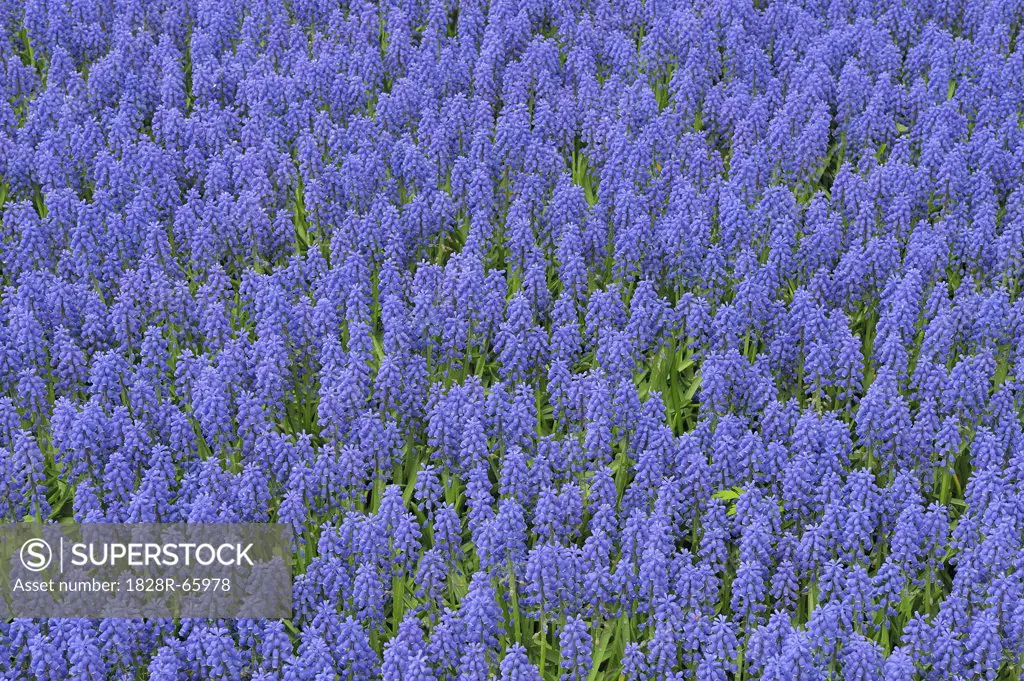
column 576, row 340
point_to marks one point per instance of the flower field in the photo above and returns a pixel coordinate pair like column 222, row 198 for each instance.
column 576, row 340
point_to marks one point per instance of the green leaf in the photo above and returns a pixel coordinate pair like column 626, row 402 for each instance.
column 692, row 389
column 730, row 494
column 601, row 653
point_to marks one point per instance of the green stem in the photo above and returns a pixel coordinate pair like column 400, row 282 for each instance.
column 397, row 602
column 543, row 642
column 514, row 597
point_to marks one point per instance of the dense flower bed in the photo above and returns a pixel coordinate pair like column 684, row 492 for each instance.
column 576, row 339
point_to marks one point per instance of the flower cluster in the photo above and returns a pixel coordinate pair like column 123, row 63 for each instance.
column 575, row 339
